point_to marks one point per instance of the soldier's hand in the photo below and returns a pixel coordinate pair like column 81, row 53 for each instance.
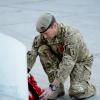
column 46, row 94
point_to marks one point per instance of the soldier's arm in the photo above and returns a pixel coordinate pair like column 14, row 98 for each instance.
column 32, row 54
column 70, row 54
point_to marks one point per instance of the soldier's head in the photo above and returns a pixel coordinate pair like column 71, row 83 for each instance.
column 47, row 26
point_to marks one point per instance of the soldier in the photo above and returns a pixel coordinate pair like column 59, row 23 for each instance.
column 62, row 53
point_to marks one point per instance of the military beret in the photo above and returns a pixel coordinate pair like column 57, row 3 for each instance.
column 44, row 22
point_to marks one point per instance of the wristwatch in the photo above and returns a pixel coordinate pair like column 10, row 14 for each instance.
column 53, row 87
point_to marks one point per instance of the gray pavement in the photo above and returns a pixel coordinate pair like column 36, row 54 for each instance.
column 18, row 18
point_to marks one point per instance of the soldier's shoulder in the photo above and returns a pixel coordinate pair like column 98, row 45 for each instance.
column 71, row 30
column 36, row 41
column 72, row 34
column 36, row 38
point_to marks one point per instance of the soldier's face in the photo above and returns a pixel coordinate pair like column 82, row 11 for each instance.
column 51, row 32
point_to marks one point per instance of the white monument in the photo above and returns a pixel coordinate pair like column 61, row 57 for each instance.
column 13, row 69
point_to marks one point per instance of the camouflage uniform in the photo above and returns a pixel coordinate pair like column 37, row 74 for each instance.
column 63, row 56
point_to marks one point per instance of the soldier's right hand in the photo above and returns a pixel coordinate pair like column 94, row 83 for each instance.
column 46, row 94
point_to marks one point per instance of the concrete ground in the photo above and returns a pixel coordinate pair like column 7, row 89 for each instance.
column 18, row 18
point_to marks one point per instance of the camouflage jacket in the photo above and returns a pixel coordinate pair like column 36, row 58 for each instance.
column 74, row 49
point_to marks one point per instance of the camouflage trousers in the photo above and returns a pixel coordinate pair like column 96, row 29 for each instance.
column 80, row 86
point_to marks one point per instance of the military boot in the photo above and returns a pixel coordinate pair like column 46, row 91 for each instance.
column 82, row 91
column 76, row 90
column 57, row 91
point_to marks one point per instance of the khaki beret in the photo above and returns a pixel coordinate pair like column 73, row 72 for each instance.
column 44, row 22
